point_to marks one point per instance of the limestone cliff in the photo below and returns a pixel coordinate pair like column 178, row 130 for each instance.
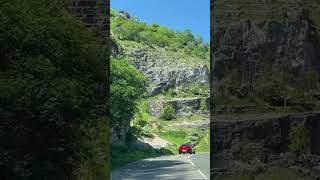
column 164, row 68
column 250, row 35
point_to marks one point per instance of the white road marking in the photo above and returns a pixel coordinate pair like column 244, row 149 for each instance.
column 204, row 176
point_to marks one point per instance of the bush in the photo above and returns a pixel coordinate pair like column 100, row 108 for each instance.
column 168, row 113
column 203, row 106
column 193, row 139
column 299, row 140
column 251, row 151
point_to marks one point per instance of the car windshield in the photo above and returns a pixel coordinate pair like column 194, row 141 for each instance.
column 185, row 145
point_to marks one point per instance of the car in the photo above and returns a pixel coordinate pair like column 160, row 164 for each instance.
column 186, row 148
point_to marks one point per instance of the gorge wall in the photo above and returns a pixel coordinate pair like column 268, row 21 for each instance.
column 166, row 69
column 271, row 135
column 247, row 38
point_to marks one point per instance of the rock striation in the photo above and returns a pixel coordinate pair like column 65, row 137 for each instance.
column 166, row 69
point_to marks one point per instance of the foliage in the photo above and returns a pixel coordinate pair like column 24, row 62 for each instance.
column 311, row 82
column 129, row 28
column 273, row 88
column 203, row 106
column 251, row 151
column 168, row 112
column 299, row 138
column 51, row 103
column 128, row 85
column 193, row 138
column 204, row 144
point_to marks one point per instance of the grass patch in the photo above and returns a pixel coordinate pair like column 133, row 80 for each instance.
column 122, row 155
column 195, row 117
column 204, row 145
column 176, row 136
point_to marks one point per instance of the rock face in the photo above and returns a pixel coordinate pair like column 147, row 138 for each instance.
column 230, row 136
column 247, row 39
column 182, row 106
column 166, row 69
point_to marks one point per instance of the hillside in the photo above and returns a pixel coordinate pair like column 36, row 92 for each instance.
column 174, row 106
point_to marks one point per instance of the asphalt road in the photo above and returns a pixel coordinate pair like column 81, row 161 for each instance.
column 184, row 167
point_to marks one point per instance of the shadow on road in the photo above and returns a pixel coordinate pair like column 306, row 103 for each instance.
column 166, row 167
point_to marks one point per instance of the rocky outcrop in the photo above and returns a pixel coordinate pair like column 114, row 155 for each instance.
column 270, row 132
column 166, row 69
column 182, row 106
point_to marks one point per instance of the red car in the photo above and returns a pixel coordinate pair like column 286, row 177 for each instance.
column 185, row 148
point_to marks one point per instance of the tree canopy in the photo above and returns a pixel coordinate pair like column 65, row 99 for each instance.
column 51, row 70
column 128, row 85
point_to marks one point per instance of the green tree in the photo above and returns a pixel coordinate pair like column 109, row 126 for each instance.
column 311, row 82
column 52, row 71
column 168, row 112
column 128, row 85
column 299, row 140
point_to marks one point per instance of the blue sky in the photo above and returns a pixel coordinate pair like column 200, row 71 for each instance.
column 175, row 14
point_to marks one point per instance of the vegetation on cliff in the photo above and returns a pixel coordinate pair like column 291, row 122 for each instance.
column 51, row 104
column 126, row 27
column 128, row 85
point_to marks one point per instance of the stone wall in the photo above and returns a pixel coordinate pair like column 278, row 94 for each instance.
column 182, row 106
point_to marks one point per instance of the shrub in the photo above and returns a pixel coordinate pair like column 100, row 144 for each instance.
column 193, row 139
column 251, row 151
column 299, row 140
column 203, row 106
column 168, row 113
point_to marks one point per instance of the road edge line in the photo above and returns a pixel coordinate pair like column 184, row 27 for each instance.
column 204, row 176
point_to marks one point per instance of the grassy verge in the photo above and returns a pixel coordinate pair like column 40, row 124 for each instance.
column 177, row 136
column 122, row 155
column 204, row 145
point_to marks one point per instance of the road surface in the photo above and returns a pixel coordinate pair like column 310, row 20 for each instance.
column 177, row 167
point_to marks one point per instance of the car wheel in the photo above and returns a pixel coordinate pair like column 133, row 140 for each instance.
column 179, row 152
